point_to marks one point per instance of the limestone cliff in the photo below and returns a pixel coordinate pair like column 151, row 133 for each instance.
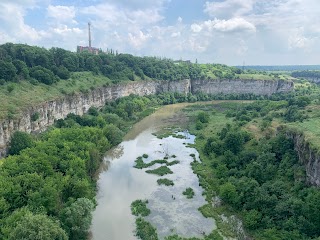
column 80, row 103
column 239, row 86
column 308, row 156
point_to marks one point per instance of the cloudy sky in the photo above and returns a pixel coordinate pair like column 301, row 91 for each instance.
column 257, row 32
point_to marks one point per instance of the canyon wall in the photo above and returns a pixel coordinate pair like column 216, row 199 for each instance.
column 308, row 156
column 81, row 102
column 238, row 86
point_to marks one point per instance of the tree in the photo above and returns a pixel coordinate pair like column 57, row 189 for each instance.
column 43, row 75
column 20, row 141
column 228, row 193
column 77, row 218
column 252, row 219
column 22, row 69
column 113, row 134
column 37, row 227
column 7, row 70
column 234, row 141
column 63, row 73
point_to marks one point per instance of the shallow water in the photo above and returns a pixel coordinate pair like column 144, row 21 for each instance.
column 120, row 184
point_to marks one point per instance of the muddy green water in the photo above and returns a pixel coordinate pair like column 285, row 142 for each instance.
column 119, row 184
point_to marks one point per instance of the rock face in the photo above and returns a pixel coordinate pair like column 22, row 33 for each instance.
column 308, row 156
column 261, row 87
column 80, row 103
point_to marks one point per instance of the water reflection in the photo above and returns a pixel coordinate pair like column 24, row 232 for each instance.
column 171, row 212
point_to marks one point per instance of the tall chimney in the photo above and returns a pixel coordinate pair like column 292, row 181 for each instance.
column 89, row 26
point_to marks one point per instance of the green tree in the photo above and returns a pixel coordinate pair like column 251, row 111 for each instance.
column 63, row 73
column 43, row 75
column 252, row 219
column 37, row 227
column 20, row 141
column 7, row 70
column 228, row 193
column 22, row 69
column 234, row 141
column 113, row 134
column 77, row 218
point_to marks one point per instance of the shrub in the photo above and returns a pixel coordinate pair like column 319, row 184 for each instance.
column 35, row 116
column 10, row 88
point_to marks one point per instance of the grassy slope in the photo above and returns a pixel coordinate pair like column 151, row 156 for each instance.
column 311, row 126
column 26, row 94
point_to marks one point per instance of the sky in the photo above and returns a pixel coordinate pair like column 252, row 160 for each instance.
column 232, row 32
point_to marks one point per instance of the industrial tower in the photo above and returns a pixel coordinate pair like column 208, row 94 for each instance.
column 89, row 49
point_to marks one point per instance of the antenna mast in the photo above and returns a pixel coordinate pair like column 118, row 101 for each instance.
column 89, row 30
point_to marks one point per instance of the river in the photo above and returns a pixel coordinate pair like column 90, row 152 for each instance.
column 119, row 183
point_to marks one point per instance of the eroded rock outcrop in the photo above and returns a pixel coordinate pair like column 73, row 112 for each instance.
column 308, row 155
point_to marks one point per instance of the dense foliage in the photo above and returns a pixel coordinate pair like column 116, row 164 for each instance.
column 22, row 62
column 50, row 181
column 306, row 74
column 257, row 172
column 282, row 68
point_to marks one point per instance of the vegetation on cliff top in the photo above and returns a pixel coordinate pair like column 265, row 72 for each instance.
column 32, row 75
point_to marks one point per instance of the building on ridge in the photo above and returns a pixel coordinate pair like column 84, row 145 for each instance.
column 89, row 48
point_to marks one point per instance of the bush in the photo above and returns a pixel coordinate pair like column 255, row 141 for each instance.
column 10, row 88
column 35, row 116
column 203, row 117
column 93, row 111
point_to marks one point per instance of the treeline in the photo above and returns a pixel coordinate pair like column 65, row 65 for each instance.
column 281, row 67
column 19, row 62
column 306, row 74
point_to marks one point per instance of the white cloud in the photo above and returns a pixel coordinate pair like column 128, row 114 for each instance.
column 62, row 13
column 137, row 40
column 297, row 40
column 175, row 34
column 15, row 26
column 229, row 8
column 146, row 17
column 138, row 4
column 231, row 25
column 196, row 28
column 64, row 29
column 229, row 31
